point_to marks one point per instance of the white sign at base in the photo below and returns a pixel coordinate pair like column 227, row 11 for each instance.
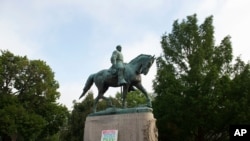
column 109, row 135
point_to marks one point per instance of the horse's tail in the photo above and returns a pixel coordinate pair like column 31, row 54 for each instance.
column 88, row 84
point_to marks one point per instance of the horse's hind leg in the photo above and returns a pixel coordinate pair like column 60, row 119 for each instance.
column 108, row 100
column 101, row 92
column 95, row 103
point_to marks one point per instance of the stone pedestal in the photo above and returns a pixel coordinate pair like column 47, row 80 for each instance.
column 136, row 125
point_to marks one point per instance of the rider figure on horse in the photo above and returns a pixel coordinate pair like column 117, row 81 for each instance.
column 117, row 63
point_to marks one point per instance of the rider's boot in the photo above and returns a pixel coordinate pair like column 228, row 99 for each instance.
column 121, row 80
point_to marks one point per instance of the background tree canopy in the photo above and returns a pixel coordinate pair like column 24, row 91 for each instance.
column 28, row 94
column 199, row 91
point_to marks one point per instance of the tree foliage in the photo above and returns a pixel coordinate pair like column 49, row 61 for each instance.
column 76, row 122
column 28, row 94
column 133, row 99
column 199, row 92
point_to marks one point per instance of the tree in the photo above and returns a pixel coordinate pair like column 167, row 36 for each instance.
column 133, row 99
column 16, row 121
column 28, row 94
column 195, row 84
column 76, row 122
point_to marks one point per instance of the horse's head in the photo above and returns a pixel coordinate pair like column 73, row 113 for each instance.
column 147, row 62
column 143, row 63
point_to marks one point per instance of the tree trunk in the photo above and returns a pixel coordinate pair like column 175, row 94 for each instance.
column 200, row 136
column 13, row 137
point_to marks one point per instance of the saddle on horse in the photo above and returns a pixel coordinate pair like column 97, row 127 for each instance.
column 119, row 73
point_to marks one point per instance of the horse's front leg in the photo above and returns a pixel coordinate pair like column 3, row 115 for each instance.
column 143, row 90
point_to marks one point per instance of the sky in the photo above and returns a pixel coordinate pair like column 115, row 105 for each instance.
column 77, row 37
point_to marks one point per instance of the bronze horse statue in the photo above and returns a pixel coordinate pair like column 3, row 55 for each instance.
column 132, row 74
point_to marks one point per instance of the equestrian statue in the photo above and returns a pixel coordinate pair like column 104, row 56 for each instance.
column 120, row 74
